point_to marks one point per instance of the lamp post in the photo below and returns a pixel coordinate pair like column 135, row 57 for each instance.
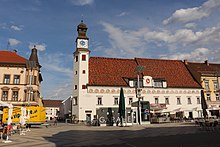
column 139, row 69
column 71, row 107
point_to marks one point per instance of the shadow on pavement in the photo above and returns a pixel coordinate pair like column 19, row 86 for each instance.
column 189, row 136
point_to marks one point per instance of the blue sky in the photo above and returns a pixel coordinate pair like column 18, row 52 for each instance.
column 168, row 29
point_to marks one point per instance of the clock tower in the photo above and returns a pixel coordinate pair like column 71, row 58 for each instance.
column 80, row 71
column 82, row 39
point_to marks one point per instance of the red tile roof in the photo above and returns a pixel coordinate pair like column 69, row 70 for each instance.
column 52, row 103
column 204, row 68
column 173, row 71
column 11, row 57
column 111, row 71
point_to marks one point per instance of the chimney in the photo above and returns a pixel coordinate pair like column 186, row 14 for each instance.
column 185, row 62
column 206, row 62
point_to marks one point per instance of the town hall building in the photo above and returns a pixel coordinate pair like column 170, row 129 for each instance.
column 166, row 87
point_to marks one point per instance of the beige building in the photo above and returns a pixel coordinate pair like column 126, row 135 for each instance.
column 20, row 78
column 207, row 74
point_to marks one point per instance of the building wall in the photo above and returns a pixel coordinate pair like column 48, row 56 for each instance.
column 211, row 90
column 52, row 112
column 89, row 97
column 79, row 80
column 21, row 87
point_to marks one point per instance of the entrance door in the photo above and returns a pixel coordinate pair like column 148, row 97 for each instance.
column 88, row 119
column 190, row 115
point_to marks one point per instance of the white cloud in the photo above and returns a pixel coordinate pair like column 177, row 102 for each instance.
column 124, row 42
column 56, row 63
column 57, row 74
column 16, row 28
column 190, row 25
column 199, row 54
column 137, row 43
column 122, row 14
column 39, row 47
column 191, row 14
column 82, row 2
column 62, row 91
column 13, row 42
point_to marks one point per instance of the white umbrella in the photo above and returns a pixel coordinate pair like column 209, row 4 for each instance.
column 10, row 111
column 23, row 116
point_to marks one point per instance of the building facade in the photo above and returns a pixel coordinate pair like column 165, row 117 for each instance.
column 20, row 78
column 52, row 109
column 208, row 75
column 66, row 110
column 97, row 83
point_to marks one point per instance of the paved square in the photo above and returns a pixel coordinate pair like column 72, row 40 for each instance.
column 69, row 135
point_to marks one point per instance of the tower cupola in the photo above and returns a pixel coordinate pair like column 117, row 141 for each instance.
column 81, row 29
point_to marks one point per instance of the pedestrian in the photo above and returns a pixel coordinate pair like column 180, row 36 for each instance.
column 55, row 121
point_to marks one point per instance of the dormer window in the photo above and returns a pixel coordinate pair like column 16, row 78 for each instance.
column 134, row 83
column 160, row 83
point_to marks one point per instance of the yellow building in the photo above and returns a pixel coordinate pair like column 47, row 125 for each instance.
column 20, row 78
column 207, row 74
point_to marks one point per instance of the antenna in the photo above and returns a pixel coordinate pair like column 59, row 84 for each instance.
column 81, row 17
column 8, row 45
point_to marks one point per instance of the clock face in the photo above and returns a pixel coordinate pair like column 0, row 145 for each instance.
column 82, row 43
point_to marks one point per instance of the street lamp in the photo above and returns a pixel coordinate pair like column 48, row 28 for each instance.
column 139, row 69
column 71, row 107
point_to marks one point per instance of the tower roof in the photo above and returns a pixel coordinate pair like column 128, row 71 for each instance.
column 81, row 26
column 33, row 56
column 81, row 29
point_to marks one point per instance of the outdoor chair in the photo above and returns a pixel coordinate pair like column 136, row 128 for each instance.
column 215, row 126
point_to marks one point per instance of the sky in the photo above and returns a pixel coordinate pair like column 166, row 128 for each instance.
column 160, row 29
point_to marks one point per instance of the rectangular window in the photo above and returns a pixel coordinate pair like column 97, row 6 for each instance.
column 189, row 100
column 6, row 79
column 178, row 101
column 158, row 84
column 167, row 101
column 15, row 96
column 198, row 100
column 83, row 57
column 35, row 80
column 84, row 71
column 115, row 101
column 75, row 87
column 74, row 101
column 130, row 100
column 76, row 59
column 16, row 79
column 34, row 96
column 83, row 86
column 215, row 85
column 156, row 101
column 206, row 85
column 217, row 97
column 75, row 72
column 4, row 95
column 208, row 97
column 99, row 101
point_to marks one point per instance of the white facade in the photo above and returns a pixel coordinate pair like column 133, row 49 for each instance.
column 65, row 108
column 88, row 99
column 52, row 112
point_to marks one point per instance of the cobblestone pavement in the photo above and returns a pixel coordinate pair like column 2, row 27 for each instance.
column 153, row 135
